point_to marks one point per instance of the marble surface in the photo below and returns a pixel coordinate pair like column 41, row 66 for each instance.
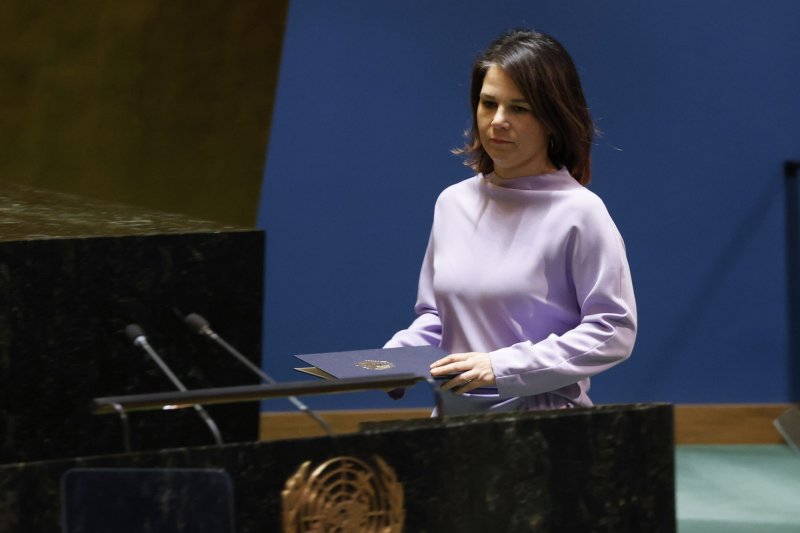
column 73, row 274
column 27, row 213
column 604, row 469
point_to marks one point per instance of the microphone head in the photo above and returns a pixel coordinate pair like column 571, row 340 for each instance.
column 134, row 331
column 196, row 323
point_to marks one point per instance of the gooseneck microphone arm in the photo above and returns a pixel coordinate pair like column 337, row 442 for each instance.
column 136, row 334
column 200, row 325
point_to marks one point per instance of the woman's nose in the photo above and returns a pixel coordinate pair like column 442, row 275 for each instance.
column 499, row 120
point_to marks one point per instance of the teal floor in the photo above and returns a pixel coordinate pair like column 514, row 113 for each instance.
column 737, row 488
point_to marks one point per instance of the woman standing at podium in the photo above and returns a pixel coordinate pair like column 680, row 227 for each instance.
column 525, row 281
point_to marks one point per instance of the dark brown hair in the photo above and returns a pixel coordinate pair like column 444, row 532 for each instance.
column 543, row 71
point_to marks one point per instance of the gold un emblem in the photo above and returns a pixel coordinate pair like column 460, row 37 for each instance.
column 345, row 495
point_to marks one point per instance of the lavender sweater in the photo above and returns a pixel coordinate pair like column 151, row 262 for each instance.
column 532, row 271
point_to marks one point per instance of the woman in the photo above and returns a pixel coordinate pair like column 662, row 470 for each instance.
column 525, row 281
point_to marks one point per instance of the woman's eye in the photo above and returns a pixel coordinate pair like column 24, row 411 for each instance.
column 488, row 104
column 520, row 109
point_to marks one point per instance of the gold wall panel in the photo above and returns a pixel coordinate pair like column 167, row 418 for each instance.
column 162, row 104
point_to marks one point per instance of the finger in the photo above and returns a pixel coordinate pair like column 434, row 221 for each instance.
column 457, row 383
column 470, row 381
column 471, row 385
column 452, row 358
column 444, row 361
column 451, row 368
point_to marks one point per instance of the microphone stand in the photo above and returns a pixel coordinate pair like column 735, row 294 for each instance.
column 200, row 325
column 136, row 333
column 126, row 430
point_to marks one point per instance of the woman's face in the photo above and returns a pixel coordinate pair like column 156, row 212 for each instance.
column 514, row 139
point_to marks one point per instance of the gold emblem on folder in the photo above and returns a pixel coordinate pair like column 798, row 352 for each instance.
column 373, row 364
column 344, row 494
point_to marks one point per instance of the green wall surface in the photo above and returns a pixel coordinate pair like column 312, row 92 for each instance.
column 160, row 104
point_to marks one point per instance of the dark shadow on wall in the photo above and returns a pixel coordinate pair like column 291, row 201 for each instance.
column 156, row 103
column 792, row 210
column 689, row 323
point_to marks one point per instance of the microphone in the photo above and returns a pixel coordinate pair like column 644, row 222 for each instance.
column 200, row 325
column 136, row 334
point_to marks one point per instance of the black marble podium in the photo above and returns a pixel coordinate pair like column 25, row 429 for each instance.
column 604, row 469
column 73, row 274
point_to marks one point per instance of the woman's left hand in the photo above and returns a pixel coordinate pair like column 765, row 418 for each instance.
column 474, row 370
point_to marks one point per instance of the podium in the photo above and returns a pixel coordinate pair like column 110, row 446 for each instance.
column 135, row 500
column 607, row 468
column 74, row 273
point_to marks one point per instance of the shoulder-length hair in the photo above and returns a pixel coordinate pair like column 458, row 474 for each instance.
column 544, row 72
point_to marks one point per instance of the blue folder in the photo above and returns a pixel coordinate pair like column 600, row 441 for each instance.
column 383, row 362
column 378, row 362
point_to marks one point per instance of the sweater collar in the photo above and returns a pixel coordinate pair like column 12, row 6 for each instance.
column 551, row 181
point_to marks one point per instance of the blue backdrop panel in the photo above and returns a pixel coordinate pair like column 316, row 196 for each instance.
column 698, row 104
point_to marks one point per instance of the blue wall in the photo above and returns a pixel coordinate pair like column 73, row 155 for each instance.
column 699, row 104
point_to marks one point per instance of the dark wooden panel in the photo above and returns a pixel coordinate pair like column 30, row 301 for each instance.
column 694, row 424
